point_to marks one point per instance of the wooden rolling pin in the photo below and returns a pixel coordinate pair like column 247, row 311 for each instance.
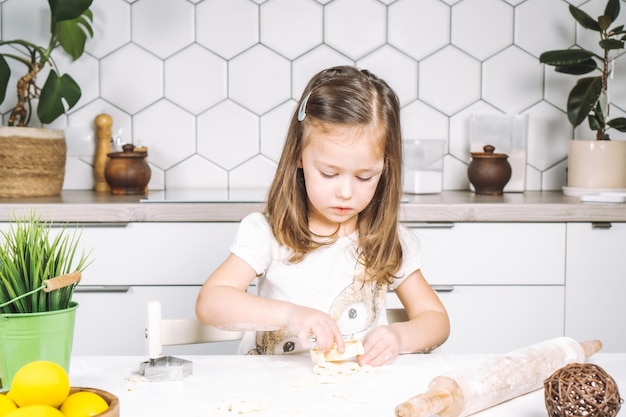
column 497, row 379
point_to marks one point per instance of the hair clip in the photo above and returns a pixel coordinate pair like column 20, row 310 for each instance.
column 302, row 109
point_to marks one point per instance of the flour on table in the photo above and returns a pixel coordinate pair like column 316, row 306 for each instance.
column 339, row 368
column 233, row 406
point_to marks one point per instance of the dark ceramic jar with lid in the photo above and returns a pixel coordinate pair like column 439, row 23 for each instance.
column 489, row 172
column 127, row 172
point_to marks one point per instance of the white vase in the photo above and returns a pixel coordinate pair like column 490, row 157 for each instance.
column 597, row 165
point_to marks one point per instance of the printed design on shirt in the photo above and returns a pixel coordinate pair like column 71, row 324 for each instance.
column 355, row 310
column 274, row 342
column 357, row 307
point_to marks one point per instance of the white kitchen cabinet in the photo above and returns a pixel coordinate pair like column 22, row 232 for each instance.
column 134, row 263
column 503, row 282
column 112, row 321
column 137, row 262
column 498, row 319
column 176, row 253
column 492, row 253
column 596, row 283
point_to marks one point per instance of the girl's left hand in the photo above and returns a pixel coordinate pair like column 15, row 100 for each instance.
column 381, row 345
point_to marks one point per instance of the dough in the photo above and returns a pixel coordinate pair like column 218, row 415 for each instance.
column 353, row 348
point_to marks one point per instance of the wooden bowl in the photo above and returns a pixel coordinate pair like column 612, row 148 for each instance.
column 112, row 400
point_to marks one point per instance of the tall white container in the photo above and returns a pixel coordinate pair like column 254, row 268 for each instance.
column 423, row 166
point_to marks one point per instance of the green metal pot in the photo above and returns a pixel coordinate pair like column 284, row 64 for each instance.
column 27, row 337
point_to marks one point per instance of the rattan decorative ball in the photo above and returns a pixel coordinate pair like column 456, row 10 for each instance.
column 581, row 389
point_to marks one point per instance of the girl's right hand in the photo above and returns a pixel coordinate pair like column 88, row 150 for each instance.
column 308, row 322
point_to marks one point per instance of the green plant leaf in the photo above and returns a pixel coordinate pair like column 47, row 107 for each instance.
column 55, row 90
column 565, row 57
column 61, row 10
column 612, row 10
column 5, row 74
column 30, row 254
column 619, row 123
column 596, row 118
column 611, row 44
column 584, row 19
column 604, row 22
column 580, row 68
column 583, row 98
column 594, row 123
column 72, row 34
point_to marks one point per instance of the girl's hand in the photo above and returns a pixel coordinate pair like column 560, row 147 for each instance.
column 381, row 345
column 308, row 322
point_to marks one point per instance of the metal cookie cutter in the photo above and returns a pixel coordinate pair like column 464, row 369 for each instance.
column 166, row 368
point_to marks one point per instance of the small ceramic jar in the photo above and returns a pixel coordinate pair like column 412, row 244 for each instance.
column 127, row 172
column 489, row 172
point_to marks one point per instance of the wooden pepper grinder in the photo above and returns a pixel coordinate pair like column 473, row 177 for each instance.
column 103, row 134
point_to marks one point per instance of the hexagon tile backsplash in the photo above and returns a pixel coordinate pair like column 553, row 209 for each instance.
column 209, row 85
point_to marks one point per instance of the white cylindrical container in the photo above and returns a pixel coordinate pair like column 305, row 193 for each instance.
column 423, row 166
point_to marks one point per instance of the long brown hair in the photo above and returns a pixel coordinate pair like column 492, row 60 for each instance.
column 343, row 96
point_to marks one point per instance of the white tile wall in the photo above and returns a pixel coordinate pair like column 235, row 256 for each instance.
column 209, row 85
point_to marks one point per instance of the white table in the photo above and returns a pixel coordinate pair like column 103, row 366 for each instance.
column 286, row 386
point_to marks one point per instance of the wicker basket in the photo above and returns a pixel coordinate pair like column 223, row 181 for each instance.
column 32, row 162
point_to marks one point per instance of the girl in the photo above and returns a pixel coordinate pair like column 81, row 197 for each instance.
column 328, row 246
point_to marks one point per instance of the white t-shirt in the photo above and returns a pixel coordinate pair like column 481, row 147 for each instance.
column 328, row 279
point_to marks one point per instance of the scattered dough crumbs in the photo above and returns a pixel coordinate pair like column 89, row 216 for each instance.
column 339, row 368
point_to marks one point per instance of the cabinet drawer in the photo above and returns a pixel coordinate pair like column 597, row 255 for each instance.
column 596, row 284
column 155, row 253
column 492, row 253
column 498, row 319
column 120, row 330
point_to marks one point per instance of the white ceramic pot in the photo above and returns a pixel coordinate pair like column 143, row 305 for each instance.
column 597, row 164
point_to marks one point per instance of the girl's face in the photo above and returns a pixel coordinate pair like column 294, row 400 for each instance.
column 342, row 166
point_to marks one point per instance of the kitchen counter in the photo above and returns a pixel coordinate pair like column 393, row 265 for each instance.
column 286, row 386
column 188, row 206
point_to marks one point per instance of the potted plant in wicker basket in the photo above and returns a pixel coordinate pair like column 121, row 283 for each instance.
column 32, row 160
column 599, row 163
column 39, row 269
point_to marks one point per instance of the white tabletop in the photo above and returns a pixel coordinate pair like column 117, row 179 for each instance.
column 286, row 386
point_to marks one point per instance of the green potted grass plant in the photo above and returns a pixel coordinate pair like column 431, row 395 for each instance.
column 34, row 157
column 40, row 265
column 597, row 163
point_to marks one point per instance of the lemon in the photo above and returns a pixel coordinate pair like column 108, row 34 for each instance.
column 6, row 405
column 83, row 404
column 40, row 383
column 35, row 411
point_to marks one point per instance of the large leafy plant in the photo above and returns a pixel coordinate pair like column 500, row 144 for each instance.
column 70, row 25
column 589, row 98
column 30, row 253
